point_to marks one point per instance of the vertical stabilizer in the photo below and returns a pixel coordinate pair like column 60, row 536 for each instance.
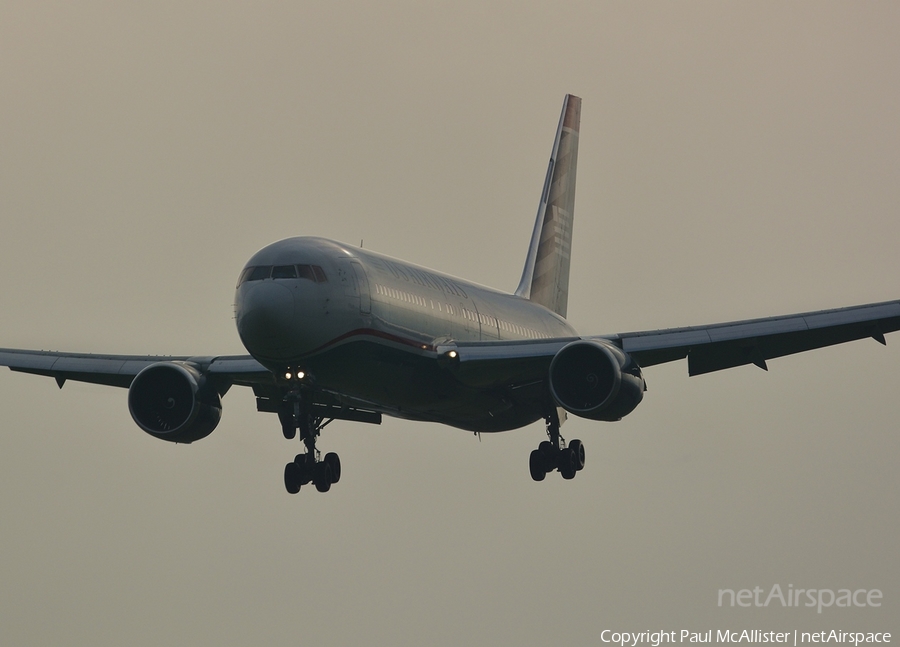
column 545, row 279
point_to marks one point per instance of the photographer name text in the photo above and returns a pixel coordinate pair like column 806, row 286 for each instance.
column 748, row 636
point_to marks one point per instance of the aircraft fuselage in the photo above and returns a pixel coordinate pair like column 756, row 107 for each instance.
column 341, row 314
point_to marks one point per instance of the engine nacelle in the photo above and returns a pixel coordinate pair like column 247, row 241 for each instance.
column 597, row 380
column 173, row 401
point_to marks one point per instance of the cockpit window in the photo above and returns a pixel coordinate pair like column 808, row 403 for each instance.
column 260, row 273
column 309, row 272
column 284, row 272
column 244, row 275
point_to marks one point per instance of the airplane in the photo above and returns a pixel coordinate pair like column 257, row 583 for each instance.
column 336, row 332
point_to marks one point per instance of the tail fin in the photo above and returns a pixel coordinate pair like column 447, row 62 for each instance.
column 545, row 279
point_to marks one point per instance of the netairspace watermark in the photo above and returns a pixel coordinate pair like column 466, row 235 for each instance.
column 820, row 598
column 657, row 638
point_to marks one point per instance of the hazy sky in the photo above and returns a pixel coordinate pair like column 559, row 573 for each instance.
column 736, row 160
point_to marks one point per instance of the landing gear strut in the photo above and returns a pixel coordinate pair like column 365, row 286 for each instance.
column 554, row 454
column 308, row 467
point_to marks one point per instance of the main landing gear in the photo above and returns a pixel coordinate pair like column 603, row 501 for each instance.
column 296, row 413
column 554, row 454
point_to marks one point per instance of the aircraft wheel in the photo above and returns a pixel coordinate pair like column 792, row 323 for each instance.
column 322, row 476
column 537, row 464
column 303, row 471
column 577, row 448
column 549, row 452
column 288, row 428
column 567, row 463
column 334, row 462
column 292, row 478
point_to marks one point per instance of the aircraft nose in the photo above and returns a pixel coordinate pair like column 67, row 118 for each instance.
column 266, row 319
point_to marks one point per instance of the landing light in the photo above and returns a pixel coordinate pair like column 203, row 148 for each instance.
column 300, row 375
column 452, row 354
column 287, row 375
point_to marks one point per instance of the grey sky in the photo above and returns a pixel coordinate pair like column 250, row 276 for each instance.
column 736, row 160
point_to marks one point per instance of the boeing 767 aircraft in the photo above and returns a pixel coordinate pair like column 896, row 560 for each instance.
column 335, row 332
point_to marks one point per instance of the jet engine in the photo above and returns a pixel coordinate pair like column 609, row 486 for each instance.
column 597, row 380
column 173, row 401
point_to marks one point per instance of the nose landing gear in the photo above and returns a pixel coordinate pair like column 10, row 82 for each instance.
column 555, row 454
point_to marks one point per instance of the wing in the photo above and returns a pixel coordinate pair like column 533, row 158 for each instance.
column 720, row 346
column 707, row 348
column 223, row 372
column 120, row 370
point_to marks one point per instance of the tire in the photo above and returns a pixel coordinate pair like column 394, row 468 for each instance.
column 577, row 448
column 548, row 451
column 334, row 461
column 303, row 471
column 322, row 476
column 292, row 478
column 567, row 463
column 536, row 465
column 288, row 428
